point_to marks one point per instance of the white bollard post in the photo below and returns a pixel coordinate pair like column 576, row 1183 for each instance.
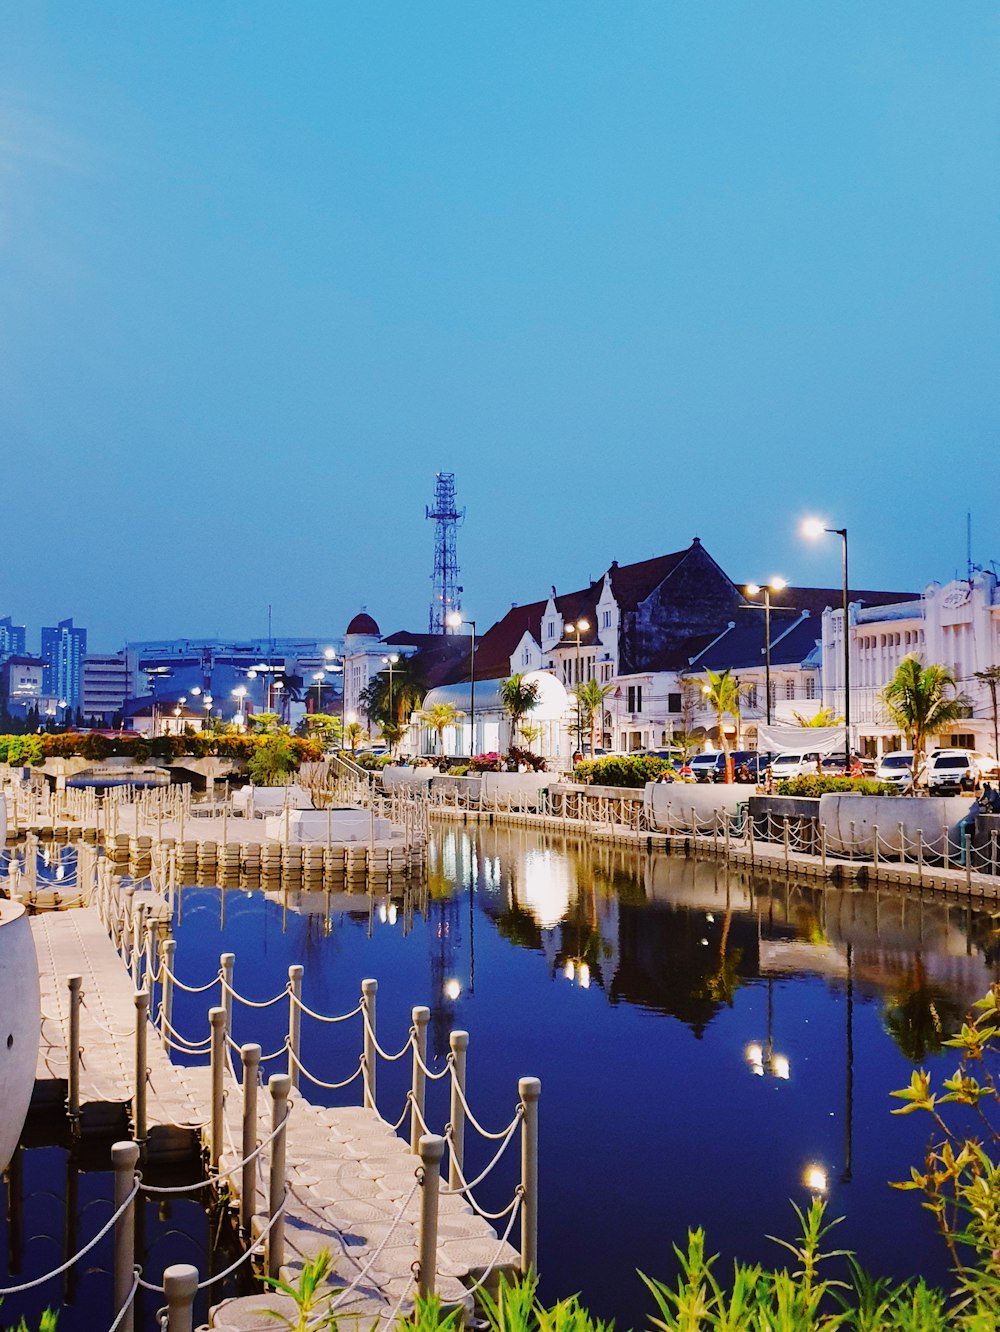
column 141, row 1065
column 421, row 1017
column 294, row 1021
column 459, row 1042
column 369, row 991
column 167, row 992
column 217, row 1019
column 180, row 1285
column 75, row 984
column 530, row 1090
column 279, row 1085
column 227, row 962
column 250, row 1055
column 124, row 1156
column 431, row 1150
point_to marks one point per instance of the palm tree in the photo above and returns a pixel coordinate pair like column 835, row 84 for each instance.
column 438, row 717
column 518, row 698
column 921, row 700
column 990, row 677
column 355, row 734
column 391, row 697
column 723, row 694
column 825, row 717
column 590, row 698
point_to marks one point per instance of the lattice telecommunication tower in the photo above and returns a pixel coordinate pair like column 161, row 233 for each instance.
column 446, row 518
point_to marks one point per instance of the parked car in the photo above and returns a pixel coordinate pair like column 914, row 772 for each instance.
column 896, row 768
column 796, row 764
column 712, row 767
column 833, row 766
column 953, row 770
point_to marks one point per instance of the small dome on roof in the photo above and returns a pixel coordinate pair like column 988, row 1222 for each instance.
column 363, row 624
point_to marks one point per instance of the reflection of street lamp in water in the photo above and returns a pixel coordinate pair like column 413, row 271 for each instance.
column 763, row 1059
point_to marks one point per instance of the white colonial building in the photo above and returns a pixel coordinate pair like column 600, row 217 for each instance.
column 955, row 624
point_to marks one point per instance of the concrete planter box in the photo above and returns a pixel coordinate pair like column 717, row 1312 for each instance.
column 262, row 800
column 799, row 814
column 395, row 777
column 521, row 790
column 346, row 824
column 21, row 1022
column 689, row 807
column 468, row 788
column 849, row 822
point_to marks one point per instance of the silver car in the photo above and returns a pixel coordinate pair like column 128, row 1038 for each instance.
column 896, row 768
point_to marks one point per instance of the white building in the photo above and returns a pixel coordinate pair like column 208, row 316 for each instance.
column 106, row 686
column 955, row 624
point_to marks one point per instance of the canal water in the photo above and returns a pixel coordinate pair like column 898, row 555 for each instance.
column 703, row 1038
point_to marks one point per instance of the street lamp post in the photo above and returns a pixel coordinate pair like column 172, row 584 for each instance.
column 455, row 621
column 331, row 658
column 813, row 528
column 580, row 627
column 753, row 590
column 390, row 661
column 240, row 694
column 318, row 678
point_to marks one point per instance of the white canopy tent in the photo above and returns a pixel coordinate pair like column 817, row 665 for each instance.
column 779, row 739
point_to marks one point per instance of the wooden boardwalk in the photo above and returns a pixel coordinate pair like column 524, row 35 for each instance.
column 350, row 1176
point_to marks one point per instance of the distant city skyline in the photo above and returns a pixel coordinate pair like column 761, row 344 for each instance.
column 632, row 274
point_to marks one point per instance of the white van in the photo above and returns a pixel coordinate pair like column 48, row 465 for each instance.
column 799, row 764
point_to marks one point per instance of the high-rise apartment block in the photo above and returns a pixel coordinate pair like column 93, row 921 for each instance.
column 12, row 640
column 63, row 650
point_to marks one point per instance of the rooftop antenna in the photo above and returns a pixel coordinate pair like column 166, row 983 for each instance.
column 446, row 518
column 970, row 569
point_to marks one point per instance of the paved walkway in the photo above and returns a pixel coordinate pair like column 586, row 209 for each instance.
column 351, row 1176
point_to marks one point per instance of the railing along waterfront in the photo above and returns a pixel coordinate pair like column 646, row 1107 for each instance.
column 954, row 854
column 139, row 930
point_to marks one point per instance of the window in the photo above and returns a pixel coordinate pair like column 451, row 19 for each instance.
column 962, row 742
column 789, row 690
column 526, row 657
column 752, row 696
column 605, row 619
column 810, row 686
column 673, row 702
column 634, row 699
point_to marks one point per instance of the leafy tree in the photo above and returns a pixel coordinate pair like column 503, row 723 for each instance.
column 263, row 723
column 439, row 717
column 590, row 698
column 273, row 762
column 921, row 700
column 324, row 727
column 518, row 698
column 723, row 694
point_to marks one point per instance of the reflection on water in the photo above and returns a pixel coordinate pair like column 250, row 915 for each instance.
column 704, row 1038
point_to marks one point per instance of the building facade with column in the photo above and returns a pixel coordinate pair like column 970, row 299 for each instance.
column 955, row 624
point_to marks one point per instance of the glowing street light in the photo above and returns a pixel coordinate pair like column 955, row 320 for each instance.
column 754, row 590
column 455, row 621
column 580, row 627
column 812, row 529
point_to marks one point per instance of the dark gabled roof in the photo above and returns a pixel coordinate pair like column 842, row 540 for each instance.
column 816, row 599
column 741, row 647
column 632, row 583
column 496, row 647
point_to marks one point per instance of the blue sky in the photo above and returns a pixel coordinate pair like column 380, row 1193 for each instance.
column 633, row 271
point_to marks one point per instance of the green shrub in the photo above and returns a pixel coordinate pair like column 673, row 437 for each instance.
column 621, row 770
column 814, row 785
